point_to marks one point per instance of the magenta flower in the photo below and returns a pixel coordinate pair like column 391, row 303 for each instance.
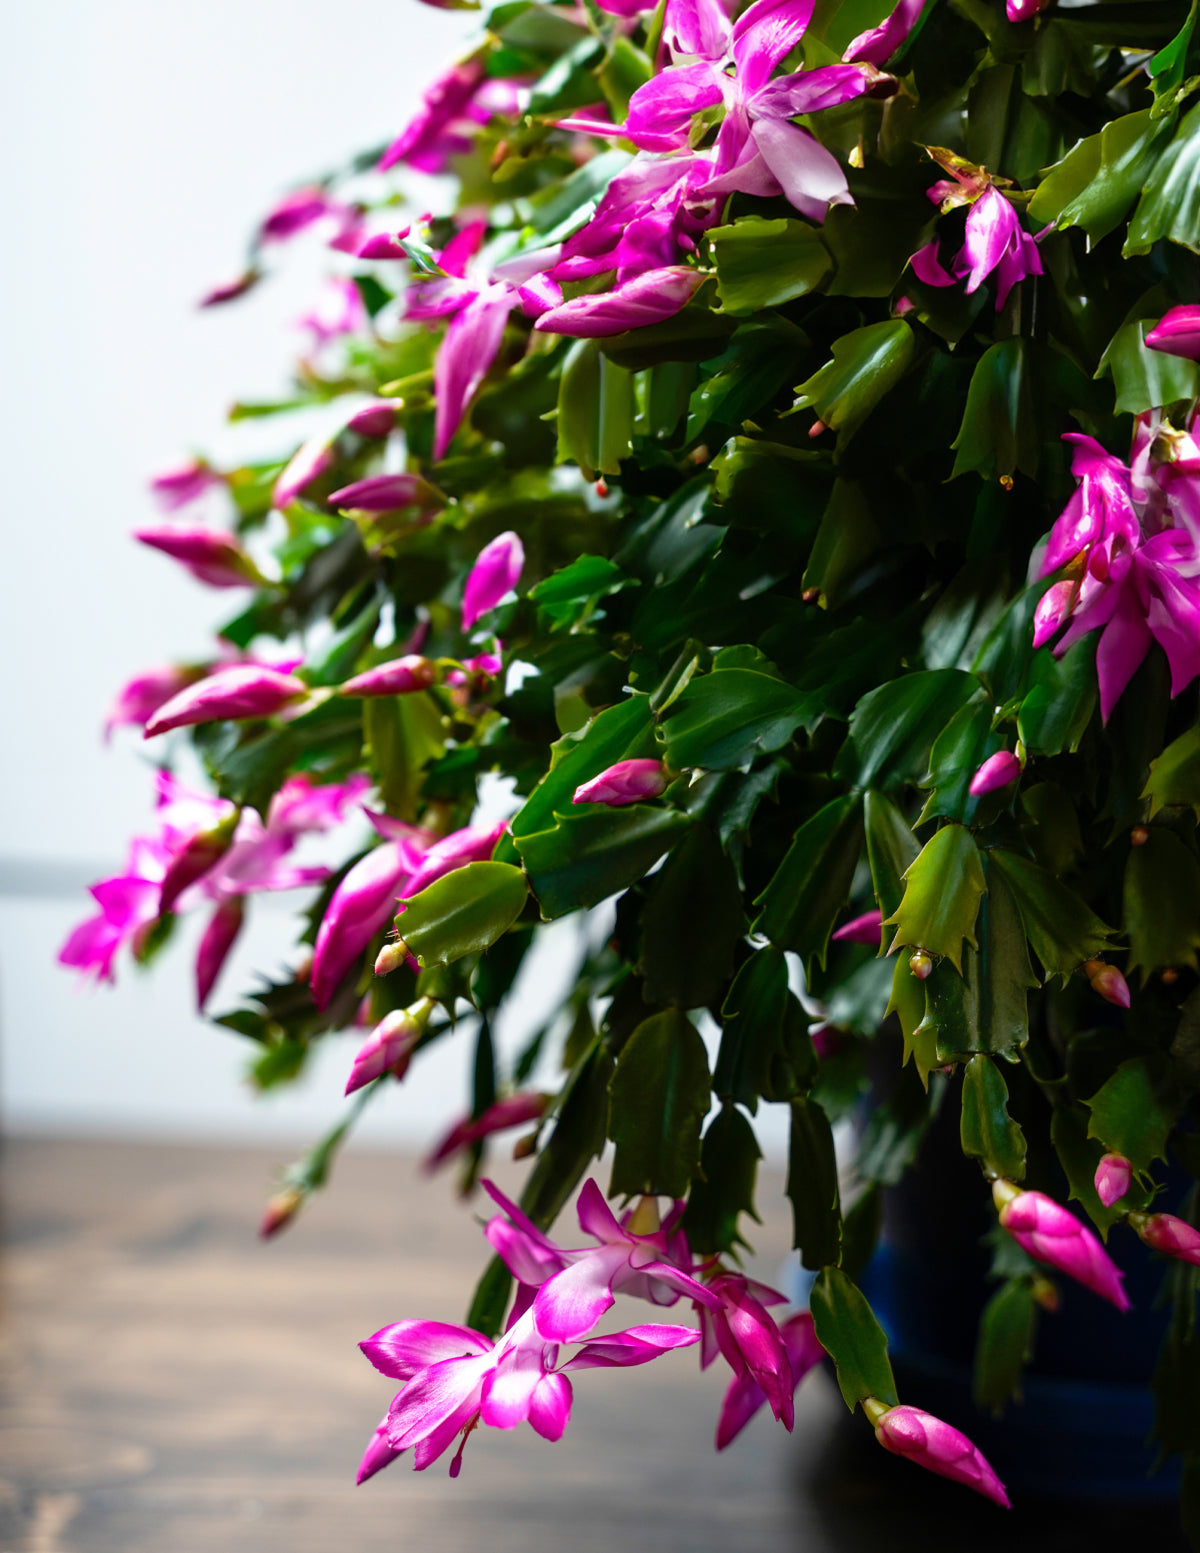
column 1049, row 1233
column 1108, row 982
column 878, row 45
column 128, row 907
column 648, row 298
column 1024, row 10
column 139, row 698
column 629, row 781
column 212, row 556
column 215, row 943
column 453, row 1378
column 999, row 770
column 496, row 572
column 175, row 488
column 1177, row 333
column 309, row 462
column 382, row 493
column 994, row 242
column 397, row 678
column 472, row 844
column 930, row 1443
column 295, row 212
column 338, row 309
column 866, row 929
column 576, row 1287
column 242, row 691
column 388, row 1049
column 199, row 854
column 230, row 290
column 1168, row 1234
column 302, row 805
column 512, row 1111
column 742, row 1330
column 1114, row 1174
column 745, row 1396
column 385, row 245
column 451, row 111
column 373, row 420
column 362, row 904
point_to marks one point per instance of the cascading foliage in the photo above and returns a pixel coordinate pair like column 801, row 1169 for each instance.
column 776, row 462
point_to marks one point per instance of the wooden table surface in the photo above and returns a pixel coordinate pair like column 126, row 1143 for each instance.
column 172, row 1385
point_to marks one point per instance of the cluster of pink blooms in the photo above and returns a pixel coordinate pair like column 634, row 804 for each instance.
column 994, row 241
column 1126, row 550
column 453, row 1378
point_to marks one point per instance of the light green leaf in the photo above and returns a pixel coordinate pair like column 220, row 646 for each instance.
column 942, row 891
column 462, row 913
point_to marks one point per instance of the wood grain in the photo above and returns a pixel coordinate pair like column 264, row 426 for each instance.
column 171, row 1384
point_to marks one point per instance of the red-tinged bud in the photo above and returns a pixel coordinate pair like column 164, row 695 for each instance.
column 383, row 493
column 233, row 694
column 934, row 1445
column 602, row 488
column 817, row 428
column 1045, row 1293
column 280, row 1211
column 826, row 1040
column 385, row 245
column 1177, row 333
column 400, row 677
column 921, row 965
column 525, row 1106
column 861, row 930
column 1139, row 836
column 388, row 1049
column 496, row 572
column 1053, row 608
column 1049, row 1233
column 629, row 781
column 999, row 770
column 210, row 555
column 1114, row 1174
column 217, row 940
column 810, row 596
column 309, row 462
column 204, row 849
column 1168, row 1234
column 1169, row 976
column 1111, row 985
column 391, row 957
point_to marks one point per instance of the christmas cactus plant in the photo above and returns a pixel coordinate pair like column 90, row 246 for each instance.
column 771, row 469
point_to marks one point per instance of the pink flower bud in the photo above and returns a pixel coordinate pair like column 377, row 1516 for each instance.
column 198, row 855
column 230, row 290
column 139, row 698
column 861, row 930
column 373, row 420
column 212, row 556
column 245, row 690
column 999, row 770
column 1053, row 608
column 381, row 493
column 629, row 781
column 280, row 1211
column 1024, row 10
column 391, row 957
column 175, row 488
column 526, row 1106
column 495, row 573
column 920, row 963
column 378, row 1454
column 1050, row 1234
column 295, row 211
column 1177, row 333
column 309, row 462
column 219, row 938
column 396, row 678
column 1172, row 1236
column 930, row 1443
column 385, row 245
column 1113, row 1175
column 362, row 903
column 388, row 1049
column 1109, row 983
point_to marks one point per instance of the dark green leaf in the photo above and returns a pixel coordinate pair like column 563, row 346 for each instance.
column 1097, row 182
column 691, row 924
column 1175, row 775
column 847, row 539
column 725, row 719
column 1058, row 707
column 957, row 754
column 596, row 852
column 999, row 433
column 724, row 1189
column 1062, row 929
column 849, row 1333
column 1162, row 903
column 1144, row 378
column 765, row 1050
column 1079, row 1155
column 893, row 728
column 1004, row 1345
column 866, row 364
column 462, row 913
column 810, row 887
column 891, row 850
column 1133, row 1113
column 1170, row 203
column 621, row 732
column 595, row 411
column 659, row 1098
column 812, row 1186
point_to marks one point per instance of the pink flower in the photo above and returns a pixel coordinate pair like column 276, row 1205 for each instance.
column 362, row 904
column 576, row 1287
column 861, row 930
column 472, row 844
column 999, row 770
column 745, row 1396
column 212, row 556
column 1177, row 333
column 453, row 1378
column 309, row 462
column 1168, row 1234
column 451, row 108
column 243, row 691
column 743, row 1331
column 512, row 1111
column 1050, row 1234
column 337, row 310
column 878, row 45
column 175, row 488
column 397, row 678
column 230, row 290
column 496, row 571
column 921, row 1438
column 1113, row 1176
column 139, row 698
column 128, row 906
column 388, row 1049
column 295, row 212
column 382, row 493
column 994, row 242
column 629, row 781
column 217, row 940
